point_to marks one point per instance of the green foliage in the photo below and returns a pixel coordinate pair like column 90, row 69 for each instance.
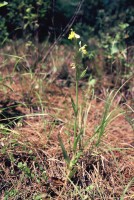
column 3, row 28
column 23, row 167
column 107, row 117
column 34, row 19
column 10, row 194
column 3, row 31
column 116, row 51
column 23, row 18
column 115, row 43
column 25, row 15
column 67, row 7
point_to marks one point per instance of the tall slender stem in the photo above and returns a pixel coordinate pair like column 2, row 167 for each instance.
column 76, row 94
column 76, row 106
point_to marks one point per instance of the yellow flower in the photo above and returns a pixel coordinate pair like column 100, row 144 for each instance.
column 83, row 49
column 73, row 35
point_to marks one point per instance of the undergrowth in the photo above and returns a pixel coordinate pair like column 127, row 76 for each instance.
column 49, row 147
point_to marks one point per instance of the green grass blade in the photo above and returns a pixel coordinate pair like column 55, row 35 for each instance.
column 76, row 141
column 65, row 155
column 73, row 105
column 126, row 188
column 101, row 128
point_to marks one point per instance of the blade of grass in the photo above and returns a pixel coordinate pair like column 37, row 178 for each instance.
column 65, row 155
column 126, row 189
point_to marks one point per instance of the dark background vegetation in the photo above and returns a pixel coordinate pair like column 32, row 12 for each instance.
column 30, row 19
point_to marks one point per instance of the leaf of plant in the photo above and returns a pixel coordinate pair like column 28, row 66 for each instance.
column 92, row 82
column 65, row 155
column 114, row 49
column 3, row 4
column 72, row 172
column 75, row 159
column 76, row 140
column 83, row 73
column 73, row 105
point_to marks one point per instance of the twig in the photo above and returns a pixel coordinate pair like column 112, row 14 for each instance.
column 65, row 30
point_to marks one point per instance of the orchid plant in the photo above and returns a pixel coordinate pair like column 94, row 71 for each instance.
column 78, row 132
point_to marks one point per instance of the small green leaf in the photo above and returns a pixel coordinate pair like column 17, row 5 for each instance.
column 123, row 26
column 1, row 78
column 75, row 159
column 76, row 141
column 3, row 4
column 89, row 188
column 72, row 172
column 20, row 165
column 28, row 10
column 73, row 105
column 65, row 155
column 38, row 198
column 83, row 73
column 114, row 49
column 92, row 82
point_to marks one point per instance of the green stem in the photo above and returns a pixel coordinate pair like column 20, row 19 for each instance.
column 76, row 112
column 76, row 93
